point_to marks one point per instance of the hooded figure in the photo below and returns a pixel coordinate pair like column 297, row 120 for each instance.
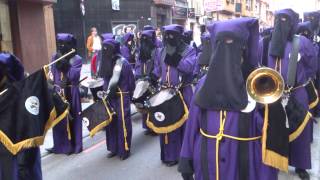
column 11, row 70
column 145, row 64
column 204, row 57
column 128, row 49
column 96, row 59
column 314, row 19
column 119, row 84
column 305, row 29
column 221, row 141
column 265, row 38
column 158, row 41
column 188, row 39
column 67, row 135
column 174, row 65
column 280, row 47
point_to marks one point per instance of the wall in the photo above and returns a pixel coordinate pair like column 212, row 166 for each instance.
column 31, row 33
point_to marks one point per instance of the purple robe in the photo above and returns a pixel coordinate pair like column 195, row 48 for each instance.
column 300, row 151
column 200, row 151
column 62, row 144
column 171, row 151
column 115, row 130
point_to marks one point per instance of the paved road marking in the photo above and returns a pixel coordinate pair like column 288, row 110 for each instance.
column 92, row 148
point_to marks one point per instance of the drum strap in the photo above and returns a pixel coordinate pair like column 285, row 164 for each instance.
column 293, row 62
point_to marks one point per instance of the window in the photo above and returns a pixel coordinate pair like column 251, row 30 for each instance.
column 248, row 5
column 5, row 27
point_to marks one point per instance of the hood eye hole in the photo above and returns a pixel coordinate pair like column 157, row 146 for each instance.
column 283, row 19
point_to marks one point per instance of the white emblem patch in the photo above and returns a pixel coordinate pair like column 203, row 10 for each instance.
column 32, row 104
column 85, row 121
column 159, row 116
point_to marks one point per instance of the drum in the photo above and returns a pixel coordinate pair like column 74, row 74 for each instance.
column 97, row 116
column 167, row 111
column 94, row 85
column 142, row 91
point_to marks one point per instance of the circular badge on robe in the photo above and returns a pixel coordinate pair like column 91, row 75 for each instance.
column 159, row 116
column 32, row 105
column 85, row 121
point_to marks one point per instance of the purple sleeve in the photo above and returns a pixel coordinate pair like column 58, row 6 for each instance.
column 75, row 70
column 186, row 65
column 191, row 132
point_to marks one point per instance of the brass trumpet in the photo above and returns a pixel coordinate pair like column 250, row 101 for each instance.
column 265, row 85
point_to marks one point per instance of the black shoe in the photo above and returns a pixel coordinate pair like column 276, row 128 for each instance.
column 147, row 132
column 303, row 174
column 171, row 163
column 125, row 157
column 111, row 155
column 50, row 150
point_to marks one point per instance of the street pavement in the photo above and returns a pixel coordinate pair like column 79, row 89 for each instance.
column 143, row 164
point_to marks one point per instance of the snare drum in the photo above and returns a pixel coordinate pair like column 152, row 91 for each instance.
column 94, row 85
column 167, row 111
column 142, row 91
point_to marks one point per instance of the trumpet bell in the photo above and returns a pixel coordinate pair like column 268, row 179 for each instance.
column 265, row 85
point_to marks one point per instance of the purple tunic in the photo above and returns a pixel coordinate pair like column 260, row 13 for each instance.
column 300, row 152
column 201, row 151
column 115, row 130
column 171, row 151
column 62, row 144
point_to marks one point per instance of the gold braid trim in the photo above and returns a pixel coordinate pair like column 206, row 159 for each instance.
column 35, row 141
column 168, row 129
column 315, row 102
column 297, row 133
column 104, row 123
column 269, row 157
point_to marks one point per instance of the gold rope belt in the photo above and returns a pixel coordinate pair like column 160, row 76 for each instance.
column 220, row 135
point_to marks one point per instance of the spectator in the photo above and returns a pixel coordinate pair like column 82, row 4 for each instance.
column 93, row 42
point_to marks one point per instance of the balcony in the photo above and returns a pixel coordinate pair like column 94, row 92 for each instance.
column 164, row 2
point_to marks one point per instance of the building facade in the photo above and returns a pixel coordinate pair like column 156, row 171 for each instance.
column 69, row 18
column 27, row 30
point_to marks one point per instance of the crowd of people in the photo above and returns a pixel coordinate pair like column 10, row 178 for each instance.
column 195, row 97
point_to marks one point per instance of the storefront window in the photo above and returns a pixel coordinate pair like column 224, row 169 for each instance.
column 5, row 28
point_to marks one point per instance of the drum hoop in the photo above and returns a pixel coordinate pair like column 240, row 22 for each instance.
column 176, row 92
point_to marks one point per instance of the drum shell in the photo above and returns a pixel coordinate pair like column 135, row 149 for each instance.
column 173, row 114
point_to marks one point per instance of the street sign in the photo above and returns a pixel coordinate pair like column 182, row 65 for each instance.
column 212, row 5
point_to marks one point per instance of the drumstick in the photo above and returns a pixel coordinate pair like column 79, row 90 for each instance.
column 83, row 79
column 60, row 58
